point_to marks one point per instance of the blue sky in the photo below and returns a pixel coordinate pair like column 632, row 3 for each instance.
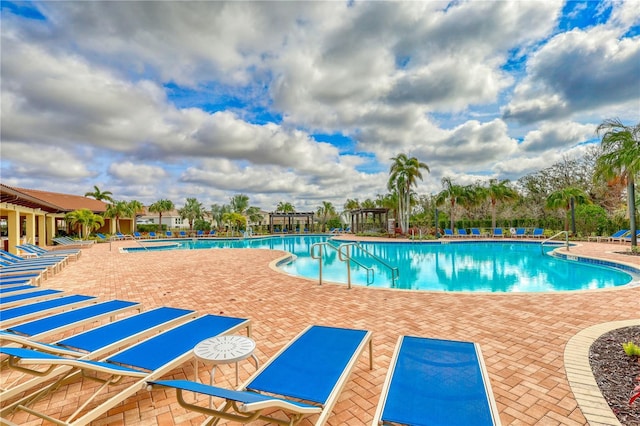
column 304, row 102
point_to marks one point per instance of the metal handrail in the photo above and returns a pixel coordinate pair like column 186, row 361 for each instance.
column 348, row 258
column 566, row 237
column 319, row 257
column 395, row 273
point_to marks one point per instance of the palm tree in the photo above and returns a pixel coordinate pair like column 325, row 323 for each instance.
column 561, row 199
column 453, row 194
column 87, row 220
column 218, row 211
column 326, row 212
column 254, row 215
column 160, row 207
column 621, row 157
column 100, row 195
column 116, row 210
column 135, row 207
column 285, row 207
column 191, row 211
column 239, row 203
column 351, row 204
column 499, row 191
column 403, row 174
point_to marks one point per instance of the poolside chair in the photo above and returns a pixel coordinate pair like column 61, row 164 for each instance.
column 42, row 253
column 619, row 236
column 168, row 234
column 436, row 382
column 520, row 233
column 137, row 235
column 9, row 301
column 55, row 261
column 308, row 375
column 152, row 234
column 67, row 241
column 462, row 232
column 33, row 277
column 12, row 281
column 23, row 313
column 497, row 232
column 122, row 236
column 102, row 237
column 538, row 233
column 212, row 232
column 183, row 234
column 475, row 232
column 199, row 233
column 144, row 361
column 627, row 238
column 98, row 341
column 448, row 233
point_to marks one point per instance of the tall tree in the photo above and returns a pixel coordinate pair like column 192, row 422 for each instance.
column 218, row 211
column 135, row 207
column 160, row 207
column 284, row 207
column 403, row 175
column 325, row 212
column 351, row 204
column 117, row 210
column 452, row 194
column 100, row 195
column 499, row 191
column 239, row 203
column 86, row 219
column 561, row 199
column 621, row 157
column 191, row 211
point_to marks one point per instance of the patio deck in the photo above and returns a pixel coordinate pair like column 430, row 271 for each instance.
column 522, row 336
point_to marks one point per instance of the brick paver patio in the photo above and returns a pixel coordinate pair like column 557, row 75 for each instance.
column 522, row 336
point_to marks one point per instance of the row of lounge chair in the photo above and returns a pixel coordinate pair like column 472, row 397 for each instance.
column 440, row 381
column 37, row 264
column 495, row 233
column 152, row 234
column 621, row 236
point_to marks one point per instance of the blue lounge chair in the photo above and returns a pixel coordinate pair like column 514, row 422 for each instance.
column 475, row 232
column 55, row 262
column 619, row 237
column 10, row 301
column 627, row 238
column 26, row 312
column 102, row 237
column 168, row 234
column 520, row 233
column 13, row 282
column 436, row 382
column 122, row 236
column 538, row 233
column 183, row 234
column 152, row 234
column 143, row 362
column 8, row 291
column 462, row 232
column 67, row 241
column 497, row 232
column 200, row 233
column 312, row 368
column 10, row 279
column 137, row 235
column 39, row 252
column 98, row 341
column 212, row 232
column 613, row 237
column 448, row 233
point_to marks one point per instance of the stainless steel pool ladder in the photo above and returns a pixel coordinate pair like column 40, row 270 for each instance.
column 566, row 239
column 344, row 254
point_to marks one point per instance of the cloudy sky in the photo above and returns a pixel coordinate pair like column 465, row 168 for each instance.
column 304, row 102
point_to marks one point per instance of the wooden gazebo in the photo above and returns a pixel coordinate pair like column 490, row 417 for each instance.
column 288, row 221
column 369, row 220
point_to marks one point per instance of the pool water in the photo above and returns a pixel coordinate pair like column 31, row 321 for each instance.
column 494, row 266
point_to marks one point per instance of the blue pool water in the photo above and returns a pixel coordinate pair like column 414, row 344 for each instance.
column 468, row 266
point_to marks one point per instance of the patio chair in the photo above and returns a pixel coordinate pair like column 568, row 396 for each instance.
column 313, row 368
column 152, row 234
column 183, row 234
column 462, row 232
column 475, row 232
column 436, row 382
column 608, row 238
column 168, row 234
column 143, row 362
column 67, row 241
column 96, row 342
column 497, row 232
column 619, row 236
column 122, row 236
column 448, row 233
column 199, row 233
column 9, row 270
column 10, row 279
column 212, row 232
column 137, row 235
column 23, row 313
column 39, row 252
column 102, row 237
column 538, row 233
column 627, row 238
column 520, row 233
column 9, row 301
column 10, row 259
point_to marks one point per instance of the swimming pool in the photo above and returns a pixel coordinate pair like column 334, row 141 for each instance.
column 492, row 266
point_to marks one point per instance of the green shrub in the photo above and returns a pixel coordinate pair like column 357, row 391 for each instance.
column 631, row 349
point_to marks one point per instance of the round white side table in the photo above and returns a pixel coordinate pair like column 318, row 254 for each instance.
column 224, row 350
